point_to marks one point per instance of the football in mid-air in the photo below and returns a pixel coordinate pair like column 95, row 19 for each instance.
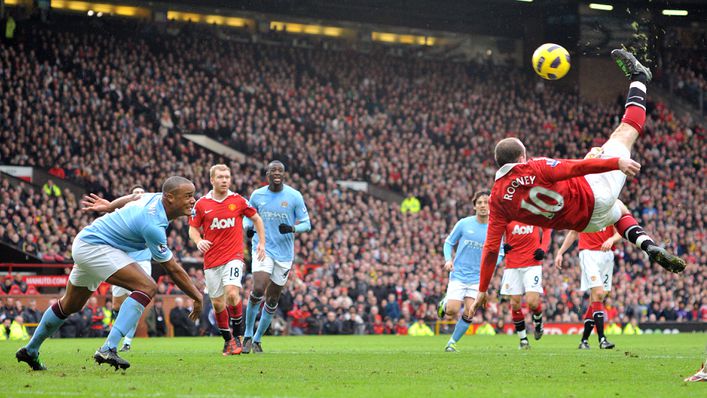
column 551, row 61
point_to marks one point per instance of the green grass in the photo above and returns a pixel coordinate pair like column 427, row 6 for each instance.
column 356, row 366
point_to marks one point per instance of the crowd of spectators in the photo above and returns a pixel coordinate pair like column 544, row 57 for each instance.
column 108, row 109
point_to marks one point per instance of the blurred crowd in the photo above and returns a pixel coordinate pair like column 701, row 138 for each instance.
column 108, row 109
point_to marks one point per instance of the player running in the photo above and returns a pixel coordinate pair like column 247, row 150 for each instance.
column 596, row 259
column 579, row 195
column 219, row 215
column 468, row 235
column 284, row 213
column 525, row 248
column 100, row 252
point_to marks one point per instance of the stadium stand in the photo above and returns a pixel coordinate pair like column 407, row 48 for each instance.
column 108, row 110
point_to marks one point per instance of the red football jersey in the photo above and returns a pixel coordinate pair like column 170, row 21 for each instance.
column 525, row 240
column 221, row 223
column 549, row 193
column 594, row 240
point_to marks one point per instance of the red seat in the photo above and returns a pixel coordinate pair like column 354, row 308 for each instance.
column 15, row 290
column 31, row 290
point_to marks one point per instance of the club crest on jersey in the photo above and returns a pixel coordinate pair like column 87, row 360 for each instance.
column 552, row 162
column 223, row 223
column 283, row 204
column 232, row 207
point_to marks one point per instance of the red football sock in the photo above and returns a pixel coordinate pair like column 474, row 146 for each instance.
column 222, row 323
column 538, row 310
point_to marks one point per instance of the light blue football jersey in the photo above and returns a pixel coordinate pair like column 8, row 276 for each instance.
column 469, row 235
column 275, row 208
column 134, row 228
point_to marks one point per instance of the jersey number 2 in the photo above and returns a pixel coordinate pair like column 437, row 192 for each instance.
column 541, row 207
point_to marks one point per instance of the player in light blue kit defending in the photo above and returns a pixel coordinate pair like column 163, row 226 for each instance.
column 100, row 252
column 284, row 213
column 468, row 235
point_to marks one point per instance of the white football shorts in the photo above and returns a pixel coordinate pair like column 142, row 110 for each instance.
column 94, row 263
column 517, row 281
column 278, row 270
column 607, row 188
column 457, row 290
column 229, row 274
column 597, row 269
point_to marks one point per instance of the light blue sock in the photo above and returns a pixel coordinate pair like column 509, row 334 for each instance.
column 128, row 316
column 459, row 330
column 47, row 326
column 265, row 319
column 251, row 312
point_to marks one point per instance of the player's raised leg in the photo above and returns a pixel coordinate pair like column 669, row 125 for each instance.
column 73, row 300
column 627, row 226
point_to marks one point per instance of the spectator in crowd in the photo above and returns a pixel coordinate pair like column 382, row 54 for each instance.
column 420, row 328
column 51, row 189
column 18, row 331
column 31, row 315
column 331, row 325
column 95, row 320
column 155, row 320
column 179, row 318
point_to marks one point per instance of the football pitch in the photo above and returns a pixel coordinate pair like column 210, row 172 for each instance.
column 366, row 366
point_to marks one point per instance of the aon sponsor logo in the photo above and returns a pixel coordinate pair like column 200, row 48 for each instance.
column 523, row 230
column 223, row 223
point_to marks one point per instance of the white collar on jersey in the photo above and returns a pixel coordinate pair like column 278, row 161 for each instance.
column 210, row 196
column 505, row 169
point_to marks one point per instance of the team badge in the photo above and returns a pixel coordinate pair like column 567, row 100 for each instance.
column 594, row 277
column 283, row 204
column 232, row 207
column 552, row 162
column 507, row 286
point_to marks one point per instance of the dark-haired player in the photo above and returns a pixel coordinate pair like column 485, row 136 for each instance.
column 284, row 213
column 579, row 195
column 468, row 235
column 100, row 252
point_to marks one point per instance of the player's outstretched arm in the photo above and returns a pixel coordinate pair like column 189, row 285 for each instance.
column 93, row 202
column 558, row 170
column 569, row 240
column 182, row 280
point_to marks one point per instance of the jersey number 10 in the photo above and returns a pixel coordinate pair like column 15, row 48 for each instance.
column 539, row 206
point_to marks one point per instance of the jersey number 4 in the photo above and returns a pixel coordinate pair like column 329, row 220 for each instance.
column 539, row 206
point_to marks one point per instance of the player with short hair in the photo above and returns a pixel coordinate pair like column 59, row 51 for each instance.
column 468, row 235
column 100, row 252
column 579, row 195
column 525, row 248
column 219, row 215
column 596, row 259
column 284, row 213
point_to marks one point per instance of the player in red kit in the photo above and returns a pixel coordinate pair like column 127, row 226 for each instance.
column 596, row 259
column 219, row 215
column 579, row 195
column 526, row 247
